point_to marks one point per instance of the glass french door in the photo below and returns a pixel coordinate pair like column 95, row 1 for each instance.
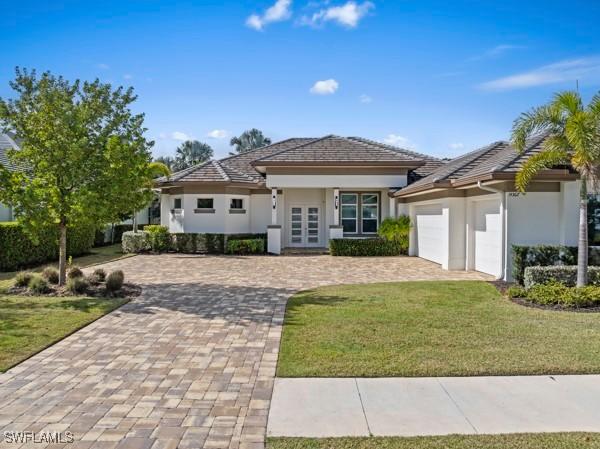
column 305, row 225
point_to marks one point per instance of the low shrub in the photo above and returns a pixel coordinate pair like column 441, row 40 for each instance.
column 74, row 272
column 22, row 279
column 50, row 274
column 93, row 279
column 516, row 291
column 364, row 247
column 114, row 281
column 213, row 243
column 540, row 255
column 158, row 237
column 247, row 246
column 38, row 284
column 564, row 274
column 396, row 230
column 100, row 274
column 77, row 285
column 136, row 242
column 555, row 293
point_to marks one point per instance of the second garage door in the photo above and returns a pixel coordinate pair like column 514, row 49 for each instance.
column 488, row 237
column 430, row 233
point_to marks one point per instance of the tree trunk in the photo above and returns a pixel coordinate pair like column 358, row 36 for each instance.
column 134, row 221
column 582, row 252
column 62, row 253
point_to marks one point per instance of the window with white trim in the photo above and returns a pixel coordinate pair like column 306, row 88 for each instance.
column 359, row 212
column 349, row 212
column 176, row 203
column 236, row 203
column 205, row 203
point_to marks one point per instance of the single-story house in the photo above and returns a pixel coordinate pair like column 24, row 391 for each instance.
column 304, row 191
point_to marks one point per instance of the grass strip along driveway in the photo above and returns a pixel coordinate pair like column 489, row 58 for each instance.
column 433, row 328
column 30, row 324
column 513, row 441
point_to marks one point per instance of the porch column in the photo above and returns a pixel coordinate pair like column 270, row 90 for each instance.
column 274, row 229
column 335, row 230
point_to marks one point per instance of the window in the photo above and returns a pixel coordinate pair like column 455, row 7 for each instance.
column 204, row 203
column 349, row 213
column 360, row 213
column 236, row 203
column 177, row 203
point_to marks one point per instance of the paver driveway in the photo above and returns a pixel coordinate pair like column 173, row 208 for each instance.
column 191, row 362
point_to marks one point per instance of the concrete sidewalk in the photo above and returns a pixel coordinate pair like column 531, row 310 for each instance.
column 333, row 407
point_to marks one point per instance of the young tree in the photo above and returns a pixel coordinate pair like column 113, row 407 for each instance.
column 85, row 156
column 190, row 153
column 573, row 132
column 249, row 140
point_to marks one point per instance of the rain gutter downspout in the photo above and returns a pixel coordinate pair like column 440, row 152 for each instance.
column 503, row 220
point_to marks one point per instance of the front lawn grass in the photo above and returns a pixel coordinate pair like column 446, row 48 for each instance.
column 449, row 328
column 30, row 324
column 511, row 441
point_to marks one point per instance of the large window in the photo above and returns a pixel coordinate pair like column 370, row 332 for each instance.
column 360, row 213
column 205, row 203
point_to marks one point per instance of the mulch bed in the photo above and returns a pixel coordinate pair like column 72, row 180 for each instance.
column 93, row 291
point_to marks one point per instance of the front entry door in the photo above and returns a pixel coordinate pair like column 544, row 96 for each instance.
column 305, row 226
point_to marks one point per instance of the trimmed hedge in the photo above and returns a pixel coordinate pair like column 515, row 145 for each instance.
column 135, row 242
column 542, row 256
column 17, row 249
column 564, row 274
column 364, row 247
column 245, row 246
column 555, row 293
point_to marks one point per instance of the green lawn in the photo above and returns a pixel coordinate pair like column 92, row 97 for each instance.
column 98, row 255
column 514, row 441
column 30, row 324
column 460, row 328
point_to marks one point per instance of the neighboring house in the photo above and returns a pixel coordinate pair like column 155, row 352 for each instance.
column 7, row 142
column 303, row 192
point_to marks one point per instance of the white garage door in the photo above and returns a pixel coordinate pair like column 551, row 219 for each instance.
column 430, row 233
column 488, row 237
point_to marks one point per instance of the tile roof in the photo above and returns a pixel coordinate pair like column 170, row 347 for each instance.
column 335, row 149
column 240, row 168
column 498, row 157
column 7, row 143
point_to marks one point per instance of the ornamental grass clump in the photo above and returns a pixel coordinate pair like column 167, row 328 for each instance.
column 50, row 274
column 22, row 278
column 100, row 273
column 75, row 272
column 114, row 281
column 77, row 285
column 38, row 284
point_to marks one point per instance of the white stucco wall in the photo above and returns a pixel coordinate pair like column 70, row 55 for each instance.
column 5, row 213
column 330, row 181
column 260, row 213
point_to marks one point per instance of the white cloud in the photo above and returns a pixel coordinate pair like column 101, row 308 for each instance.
column 178, row 135
column 278, row 12
column 103, row 66
column 559, row 72
column 497, row 51
column 325, row 87
column 128, row 76
column 349, row 14
column 398, row 141
column 162, row 136
column 364, row 98
column 456, row 146
column 217, row 134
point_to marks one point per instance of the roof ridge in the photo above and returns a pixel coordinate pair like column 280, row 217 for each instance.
column 393, row 148
column 236, row 171
column 294, row 148
column 217, row 165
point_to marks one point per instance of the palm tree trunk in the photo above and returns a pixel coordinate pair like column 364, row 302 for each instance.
column 62, row 253
column 582, row 252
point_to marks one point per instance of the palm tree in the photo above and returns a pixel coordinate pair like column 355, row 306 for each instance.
column 156, row 170
column 191, row 152
column 168, row 161
column 249, row 140
column 573, row 137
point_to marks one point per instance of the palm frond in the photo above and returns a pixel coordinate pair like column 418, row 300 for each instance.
column 568, row 102
column 540, row 119
column 594, row 108
column 538, row 162
column 159, row 169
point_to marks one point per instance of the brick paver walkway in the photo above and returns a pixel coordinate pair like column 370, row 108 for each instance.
column 191, row 362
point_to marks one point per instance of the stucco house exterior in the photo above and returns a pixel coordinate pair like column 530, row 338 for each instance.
column 7, row 142
column 304, row 191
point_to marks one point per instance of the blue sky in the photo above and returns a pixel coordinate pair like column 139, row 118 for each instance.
column 441, row 77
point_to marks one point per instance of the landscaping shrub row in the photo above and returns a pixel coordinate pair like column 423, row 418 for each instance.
column 554, row 293
column 157, row 239
column 365, row 247
column 18, row 250
column 564, row 274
